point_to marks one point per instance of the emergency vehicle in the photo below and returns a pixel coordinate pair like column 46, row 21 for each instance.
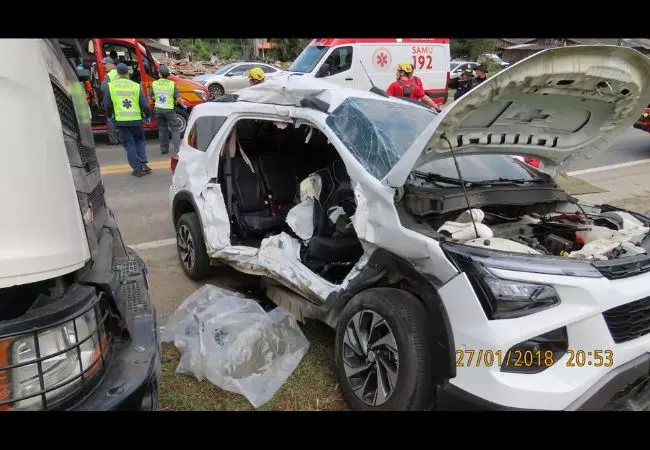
column 362, row 63
column 144, row 70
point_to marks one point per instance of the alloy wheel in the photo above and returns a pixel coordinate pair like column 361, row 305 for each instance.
column 370, row 357
column 186, row 247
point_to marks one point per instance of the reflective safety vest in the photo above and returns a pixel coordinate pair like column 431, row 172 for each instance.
column 125, row 95
column 112, row 75
column 163, row 92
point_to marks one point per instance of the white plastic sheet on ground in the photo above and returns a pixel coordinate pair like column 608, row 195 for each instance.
column 230, row 340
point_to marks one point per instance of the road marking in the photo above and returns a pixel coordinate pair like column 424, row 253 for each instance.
column 610, row 167
column 154, row 244
column 125, row 168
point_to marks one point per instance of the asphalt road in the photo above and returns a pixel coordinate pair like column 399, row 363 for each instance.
column 142, row 207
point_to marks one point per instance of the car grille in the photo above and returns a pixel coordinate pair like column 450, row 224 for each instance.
column 66, row 109
column 616, row 269
column 629, row 321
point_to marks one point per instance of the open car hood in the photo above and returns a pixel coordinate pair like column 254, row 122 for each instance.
column 552, row 106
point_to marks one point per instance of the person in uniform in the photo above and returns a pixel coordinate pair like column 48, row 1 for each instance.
column 406, row 85
column 111, row 74
column 481, row 75
column 165, row 96
column 256, row 76
column 125, row 102
column 463, row 83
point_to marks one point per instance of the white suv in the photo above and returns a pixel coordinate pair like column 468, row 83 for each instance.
column 498, row 291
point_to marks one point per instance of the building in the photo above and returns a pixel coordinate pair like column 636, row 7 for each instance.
column 160, row 48
column 262, row 46
column 521, row 51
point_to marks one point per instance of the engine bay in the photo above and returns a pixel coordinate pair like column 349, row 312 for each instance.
column 593, row 236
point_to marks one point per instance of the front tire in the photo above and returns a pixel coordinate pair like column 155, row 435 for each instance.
column 216, row 91
column 383, row 356
column 191, row 247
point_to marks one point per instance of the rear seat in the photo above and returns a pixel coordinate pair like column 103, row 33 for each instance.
column 280, row 181
column 251, row 205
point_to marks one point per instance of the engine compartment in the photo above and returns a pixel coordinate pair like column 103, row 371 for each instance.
column 604, row 235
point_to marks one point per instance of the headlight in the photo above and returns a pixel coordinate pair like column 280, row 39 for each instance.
column 201, row 94
column 502, row 299
column 50, row 366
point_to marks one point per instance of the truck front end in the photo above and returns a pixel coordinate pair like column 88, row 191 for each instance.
column 77, row 328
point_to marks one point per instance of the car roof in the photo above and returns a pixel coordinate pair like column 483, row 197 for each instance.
column 290, row 89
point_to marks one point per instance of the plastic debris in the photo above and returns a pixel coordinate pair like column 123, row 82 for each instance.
column 231, row 341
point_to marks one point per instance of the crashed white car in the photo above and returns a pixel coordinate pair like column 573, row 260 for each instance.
column 499, row 291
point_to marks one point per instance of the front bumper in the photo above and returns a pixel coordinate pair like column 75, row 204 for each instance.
column 564, row 385
column 132, row 379
column 626, row 388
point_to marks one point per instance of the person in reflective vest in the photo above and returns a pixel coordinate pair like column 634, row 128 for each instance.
column 125, row 102
column 256, row 76
column 406, row 86
column 165, row 96
column 111, row 74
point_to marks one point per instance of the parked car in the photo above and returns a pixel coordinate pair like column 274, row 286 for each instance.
column 77, row 327
column 457, row 67
column 480, row 284
column 484, row 58
column 232, row 77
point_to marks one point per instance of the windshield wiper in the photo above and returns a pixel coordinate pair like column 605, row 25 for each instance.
column 434, row 177
column 508, row 181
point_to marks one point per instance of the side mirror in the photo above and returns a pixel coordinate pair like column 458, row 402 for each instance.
column 83, row 74
column 323, row 71
column 229, row 74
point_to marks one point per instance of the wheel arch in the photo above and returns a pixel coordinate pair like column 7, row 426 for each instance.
column 184, row 203
column 385, row 269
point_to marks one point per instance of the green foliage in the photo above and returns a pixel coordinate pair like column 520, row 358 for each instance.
column 470, row 49
column 287, row 49
column 228, row 50
column 201, row 50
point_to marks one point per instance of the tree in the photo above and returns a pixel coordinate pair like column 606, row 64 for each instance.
column 471, row 48
column 200, row 49
column 288, row 49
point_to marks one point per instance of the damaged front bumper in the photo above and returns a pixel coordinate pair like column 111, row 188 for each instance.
column 625, row 388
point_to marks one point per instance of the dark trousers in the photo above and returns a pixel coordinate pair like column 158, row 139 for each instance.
column 167, row 121
column 132, row 137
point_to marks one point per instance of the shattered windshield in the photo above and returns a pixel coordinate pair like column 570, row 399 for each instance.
column 378, row 132
column 308, row 59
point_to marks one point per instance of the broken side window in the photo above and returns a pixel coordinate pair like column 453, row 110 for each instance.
column 377, row 132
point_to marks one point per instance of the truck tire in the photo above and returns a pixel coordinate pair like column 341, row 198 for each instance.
column 383, row 359
column 191, row 247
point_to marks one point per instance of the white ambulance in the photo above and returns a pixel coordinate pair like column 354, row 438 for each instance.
column 353, row 63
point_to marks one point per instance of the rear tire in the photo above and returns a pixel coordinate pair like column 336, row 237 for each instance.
column 395, row 348
column 191, row 247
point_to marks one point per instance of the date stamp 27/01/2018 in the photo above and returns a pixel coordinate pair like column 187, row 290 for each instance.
column 533, row 358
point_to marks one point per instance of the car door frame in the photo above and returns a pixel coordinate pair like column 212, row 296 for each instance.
column 230, row 80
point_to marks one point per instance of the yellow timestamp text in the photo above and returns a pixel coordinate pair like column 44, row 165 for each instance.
column 533, row 358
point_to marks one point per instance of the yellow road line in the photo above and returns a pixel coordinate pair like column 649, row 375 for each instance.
column 125, row 168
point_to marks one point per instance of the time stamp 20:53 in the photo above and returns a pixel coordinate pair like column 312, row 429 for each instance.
column 532, row 358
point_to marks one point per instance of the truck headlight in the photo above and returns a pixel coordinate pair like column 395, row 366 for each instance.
column 47, row 367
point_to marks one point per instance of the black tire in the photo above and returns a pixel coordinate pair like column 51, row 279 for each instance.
column 182, row 116
column 196, row 268
column 216, row 91
column 406, row 317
